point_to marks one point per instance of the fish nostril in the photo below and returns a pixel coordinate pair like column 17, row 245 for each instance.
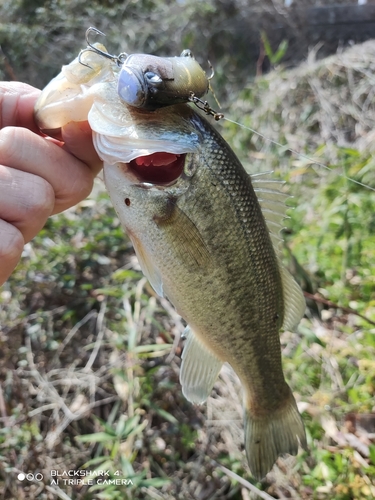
column 127, row 202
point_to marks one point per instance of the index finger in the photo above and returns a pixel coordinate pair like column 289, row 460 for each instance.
column 17, row 102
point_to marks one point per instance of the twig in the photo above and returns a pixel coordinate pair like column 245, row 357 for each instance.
column 45, row 384
column 8, row 66
column 176, row 341
column 260, row 60
column 51, row 312
column 243, row 481
column 41, row 409
column 152, row 493
column 328, row 303
column 72, row 332
column 100, row 333
column 245, row 494
column 58, row 492
column 3, row 411
column 178, row 328
column 67, row 420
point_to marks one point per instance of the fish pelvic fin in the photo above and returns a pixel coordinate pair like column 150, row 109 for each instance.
column 199, row 369
column 269, row 436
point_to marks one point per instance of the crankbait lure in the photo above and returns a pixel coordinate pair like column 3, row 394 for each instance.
column 151, row 82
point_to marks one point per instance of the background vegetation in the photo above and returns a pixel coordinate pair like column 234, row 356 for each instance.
column 89, row 356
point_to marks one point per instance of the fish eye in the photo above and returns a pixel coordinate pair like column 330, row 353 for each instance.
column 187, row 53
column 130, row 88
column 153, row 78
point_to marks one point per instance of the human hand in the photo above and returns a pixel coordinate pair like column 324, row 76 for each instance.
column 39, row 176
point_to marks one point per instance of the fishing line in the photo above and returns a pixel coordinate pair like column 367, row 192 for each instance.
column 297, row 153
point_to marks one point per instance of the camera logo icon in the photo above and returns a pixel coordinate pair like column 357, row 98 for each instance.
column 30, row 477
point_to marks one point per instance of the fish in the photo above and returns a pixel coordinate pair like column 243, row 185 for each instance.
column 206, row 234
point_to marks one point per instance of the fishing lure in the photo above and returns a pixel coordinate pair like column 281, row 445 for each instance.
column 151, row 82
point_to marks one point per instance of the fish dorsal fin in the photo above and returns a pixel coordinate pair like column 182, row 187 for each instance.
column 199, row 369
column 294, row 300
column 272, row 203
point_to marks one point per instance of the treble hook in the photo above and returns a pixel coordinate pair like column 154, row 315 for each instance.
column 204, row 106
column 91, row 48
column 212, row 70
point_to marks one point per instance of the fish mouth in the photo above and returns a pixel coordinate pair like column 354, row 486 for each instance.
column 160, row 169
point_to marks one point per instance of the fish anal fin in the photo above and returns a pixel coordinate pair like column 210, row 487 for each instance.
column 199, row 369
column 147, row 266
column 184, row 235
column 270, row 435
column 294, row 300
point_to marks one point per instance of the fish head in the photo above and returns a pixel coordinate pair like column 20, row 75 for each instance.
column 150, row 145
column 136, row 108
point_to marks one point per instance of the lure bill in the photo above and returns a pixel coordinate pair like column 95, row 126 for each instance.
column 204, row 231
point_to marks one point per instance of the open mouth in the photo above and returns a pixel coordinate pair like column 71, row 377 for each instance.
column 158, row 168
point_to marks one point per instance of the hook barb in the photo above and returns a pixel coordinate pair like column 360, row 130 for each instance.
column 91, row 48
column 212, row 70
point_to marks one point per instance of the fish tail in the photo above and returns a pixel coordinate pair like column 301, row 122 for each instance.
column 270, row 435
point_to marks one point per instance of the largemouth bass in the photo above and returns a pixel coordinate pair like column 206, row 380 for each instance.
column 206, row 236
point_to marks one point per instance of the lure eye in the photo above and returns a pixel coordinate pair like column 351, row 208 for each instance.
column 153, row 78
column 133, row 86
column 130, row 87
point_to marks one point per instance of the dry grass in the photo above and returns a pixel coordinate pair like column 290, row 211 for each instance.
column 326, row 102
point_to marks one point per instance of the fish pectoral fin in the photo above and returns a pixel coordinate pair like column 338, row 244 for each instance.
column 270, row 435
column 184, row 236
column 294, row 300
column 148, row 268
column 199, row 369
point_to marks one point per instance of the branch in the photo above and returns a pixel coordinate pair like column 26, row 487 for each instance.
column 328, row 303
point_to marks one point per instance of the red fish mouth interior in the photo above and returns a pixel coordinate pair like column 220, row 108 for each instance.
column 158, row 168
